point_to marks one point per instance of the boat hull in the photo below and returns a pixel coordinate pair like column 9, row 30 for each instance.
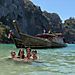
column 19, row 44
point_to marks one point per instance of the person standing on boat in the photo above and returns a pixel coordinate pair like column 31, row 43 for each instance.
column 10, row 35
column 44, row 31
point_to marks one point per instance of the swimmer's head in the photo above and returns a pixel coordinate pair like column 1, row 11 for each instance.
column 28, row 50
column 34, row 52
column 13, row 54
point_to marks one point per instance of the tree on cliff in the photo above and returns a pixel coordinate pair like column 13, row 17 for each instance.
column 70, row 22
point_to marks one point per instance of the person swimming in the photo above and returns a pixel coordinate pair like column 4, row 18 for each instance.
column 34, row 55
column 13, row 54
column 21, row 54
column 28, row 51
column 21, row 57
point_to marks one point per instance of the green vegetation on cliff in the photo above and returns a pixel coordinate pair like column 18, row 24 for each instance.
column 69, row 30
column 4, row 33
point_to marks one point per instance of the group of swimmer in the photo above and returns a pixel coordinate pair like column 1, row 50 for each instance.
column 30, row 55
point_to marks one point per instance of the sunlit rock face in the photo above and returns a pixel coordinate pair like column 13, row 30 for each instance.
column 31, row 19
column 55, row 23
column 69, row 30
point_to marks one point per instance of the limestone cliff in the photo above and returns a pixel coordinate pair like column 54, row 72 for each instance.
column 30, row 17
column 69, row 30
column 55, row 23
column 13, row 9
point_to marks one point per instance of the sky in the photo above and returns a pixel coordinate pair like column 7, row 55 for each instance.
column 64, row 8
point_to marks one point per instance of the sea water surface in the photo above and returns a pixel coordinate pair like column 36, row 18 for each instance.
column 59, row 61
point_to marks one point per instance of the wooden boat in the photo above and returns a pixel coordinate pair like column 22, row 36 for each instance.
column 35, row 41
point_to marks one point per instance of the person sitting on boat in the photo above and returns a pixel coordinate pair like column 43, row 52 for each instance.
column 21, row 54
column 28, row 51
column 34, row 55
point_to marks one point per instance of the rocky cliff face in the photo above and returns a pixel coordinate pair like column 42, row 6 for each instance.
column 32, row 20
column 69, row 30
column 13, row 9
column 30, row 17
column 55, row 23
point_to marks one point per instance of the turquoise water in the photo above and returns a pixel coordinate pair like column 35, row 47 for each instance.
column 60, row 61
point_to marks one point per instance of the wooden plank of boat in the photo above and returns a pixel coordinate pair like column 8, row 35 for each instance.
column 19, row 44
